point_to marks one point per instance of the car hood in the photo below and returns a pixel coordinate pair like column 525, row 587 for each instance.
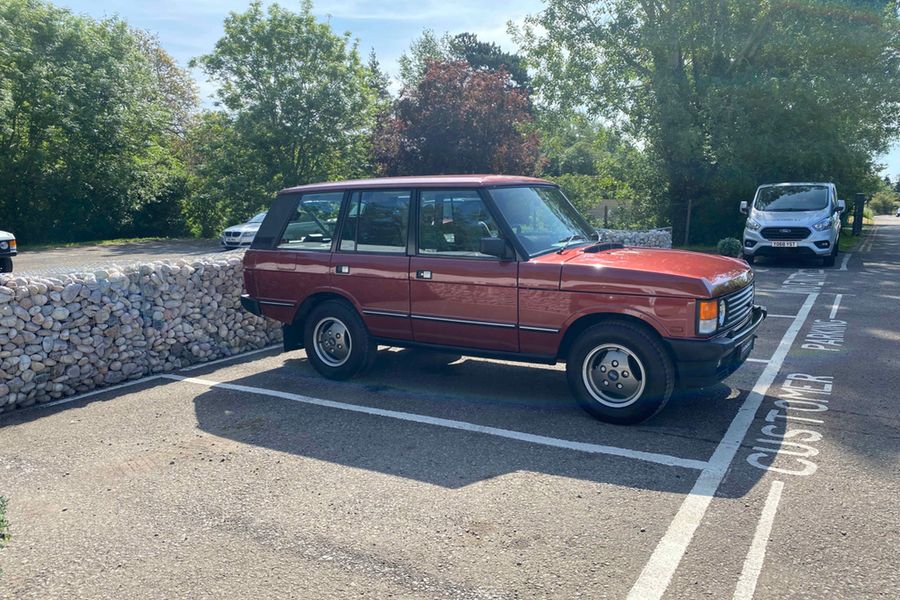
column 804, row 218
column 652, row 272
column 244, row 227
column 5, row 236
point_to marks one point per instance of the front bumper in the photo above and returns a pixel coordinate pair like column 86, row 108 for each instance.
column 814, row 245
column 702, row 363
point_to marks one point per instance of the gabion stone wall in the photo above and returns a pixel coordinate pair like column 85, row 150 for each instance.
column 651, row 238
column 68, row 334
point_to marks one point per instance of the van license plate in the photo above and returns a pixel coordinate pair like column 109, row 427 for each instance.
column 784, row 244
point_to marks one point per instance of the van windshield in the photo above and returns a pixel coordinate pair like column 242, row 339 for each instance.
column 792, row 198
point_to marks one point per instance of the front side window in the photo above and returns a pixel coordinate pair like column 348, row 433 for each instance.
column 791, row 198
column 312, row 226
column 542, row 218
column 377, row 221
column 452, row 223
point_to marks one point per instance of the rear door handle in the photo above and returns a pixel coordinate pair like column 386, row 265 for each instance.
column 421, row 274
column 342, row 269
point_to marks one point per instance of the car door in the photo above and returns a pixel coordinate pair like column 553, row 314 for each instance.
column 459, row 296
column 371, row 262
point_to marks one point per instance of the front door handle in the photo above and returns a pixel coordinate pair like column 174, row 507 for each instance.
column 420, row 274
column 342, row 269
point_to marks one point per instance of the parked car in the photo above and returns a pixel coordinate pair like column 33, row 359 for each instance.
column 898, row 213
column 243, row 234
column 793, row 219
column 502, row 267
column 7, row 251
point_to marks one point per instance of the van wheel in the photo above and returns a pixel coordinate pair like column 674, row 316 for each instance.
column 828, row 261
column 337, row 342
column 6, row 265
column 620, row 373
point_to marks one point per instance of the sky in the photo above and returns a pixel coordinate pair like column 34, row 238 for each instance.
column 189, row 28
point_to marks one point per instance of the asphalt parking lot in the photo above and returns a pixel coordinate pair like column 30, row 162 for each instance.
column 67, row 259
column 436, row 476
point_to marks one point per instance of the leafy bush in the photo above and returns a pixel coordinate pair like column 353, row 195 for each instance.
column 729, row 247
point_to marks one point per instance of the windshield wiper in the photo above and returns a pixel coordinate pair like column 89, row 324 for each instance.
column 571, row 239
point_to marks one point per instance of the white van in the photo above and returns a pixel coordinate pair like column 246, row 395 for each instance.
column 793, row 219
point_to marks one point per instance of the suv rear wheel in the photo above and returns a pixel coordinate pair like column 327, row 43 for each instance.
column 336, row 340
column 620, row 373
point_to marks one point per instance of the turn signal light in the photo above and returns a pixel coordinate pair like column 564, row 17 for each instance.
column 707, row 316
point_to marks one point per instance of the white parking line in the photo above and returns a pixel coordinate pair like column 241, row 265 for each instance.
column 660, row 459
column 781, row 316
column 845, row 260
column 759, row 360
column 835, row 306
column 96, row 392
column 135, row 382
column 657, row 573
column 227, row 358
column 757, row 554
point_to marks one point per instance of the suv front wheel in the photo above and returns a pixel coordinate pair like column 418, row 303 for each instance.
column 620, row 373
column 337, row 342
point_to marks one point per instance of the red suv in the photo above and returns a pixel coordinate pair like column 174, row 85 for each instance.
column 495, row 266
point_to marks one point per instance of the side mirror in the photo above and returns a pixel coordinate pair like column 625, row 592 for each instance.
column 840, row 207
column 494, row 246
column 745, row 208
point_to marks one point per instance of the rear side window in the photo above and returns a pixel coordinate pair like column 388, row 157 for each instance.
column 453, row 222
column 377, row 221
column 312, row 226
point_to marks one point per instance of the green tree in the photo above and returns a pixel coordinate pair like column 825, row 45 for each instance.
column 884, row 201
column 481, row 56
column 728, row 93
column 85, row 150
column 298, row 108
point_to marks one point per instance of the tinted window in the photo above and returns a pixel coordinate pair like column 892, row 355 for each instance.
column 792, row 198
column 453, row 222
column 377, row 221
column 312, row 226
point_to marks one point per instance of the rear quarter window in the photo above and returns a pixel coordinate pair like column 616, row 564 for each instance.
column 313, row 223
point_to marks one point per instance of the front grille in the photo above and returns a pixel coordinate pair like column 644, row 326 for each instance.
column 737, row 307
column 232, row 234
column 785, row 233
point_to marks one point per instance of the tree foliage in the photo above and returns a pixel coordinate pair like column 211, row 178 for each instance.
column 85, row 147
column 457, row 120
column 298, row 108
column 482, row 56
column 728, row 93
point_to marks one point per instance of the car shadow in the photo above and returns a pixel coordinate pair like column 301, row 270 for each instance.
column 450, row 388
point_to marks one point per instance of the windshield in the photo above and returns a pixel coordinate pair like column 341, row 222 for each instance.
column 258, row 218
column 542, row 218
column 792, row 198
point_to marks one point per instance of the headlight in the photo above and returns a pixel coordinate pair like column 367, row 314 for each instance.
column 4, row 245
column 707, row 316
column 823, row 224
column 753, row 225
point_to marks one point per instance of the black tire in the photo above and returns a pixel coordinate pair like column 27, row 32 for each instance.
column 828, row 261
column 603, row 342
column 750, row 259
column 6, row 265
column 362, row 350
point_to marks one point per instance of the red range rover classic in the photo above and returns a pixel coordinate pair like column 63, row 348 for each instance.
column 495, row 266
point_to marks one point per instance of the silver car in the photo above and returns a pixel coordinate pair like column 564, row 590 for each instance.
column 243, row 234
column 793, row 219
column 8, row 249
